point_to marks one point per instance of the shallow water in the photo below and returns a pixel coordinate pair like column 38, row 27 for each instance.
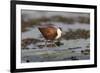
column 52, row 55
column 55, row 53
column 33, row 32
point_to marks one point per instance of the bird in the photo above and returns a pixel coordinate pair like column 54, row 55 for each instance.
column 50, row 32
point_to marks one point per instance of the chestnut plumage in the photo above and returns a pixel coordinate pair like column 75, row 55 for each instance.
column 50, row 33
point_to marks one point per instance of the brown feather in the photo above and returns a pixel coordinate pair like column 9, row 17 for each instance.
column 49, row 33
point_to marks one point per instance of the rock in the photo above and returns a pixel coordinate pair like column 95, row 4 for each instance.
column 40, row 46
column 59, row 43
column 74, row 58
column 27, row 61
column 75, row 48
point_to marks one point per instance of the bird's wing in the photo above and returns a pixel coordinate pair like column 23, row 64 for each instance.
column 49, row 33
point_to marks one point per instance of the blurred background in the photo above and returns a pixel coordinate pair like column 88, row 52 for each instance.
column 75, row 41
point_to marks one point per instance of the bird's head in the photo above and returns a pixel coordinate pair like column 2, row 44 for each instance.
column 60, row 28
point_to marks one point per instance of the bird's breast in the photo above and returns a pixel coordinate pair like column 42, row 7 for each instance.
column 58, row 33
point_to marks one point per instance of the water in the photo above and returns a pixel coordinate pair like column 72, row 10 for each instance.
column 34, row 32
column 55, row 53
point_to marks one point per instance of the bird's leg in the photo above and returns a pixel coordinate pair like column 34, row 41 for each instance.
column 45, row 43
column 53, row 43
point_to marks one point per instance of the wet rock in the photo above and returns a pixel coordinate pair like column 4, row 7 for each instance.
column 28, row 41
column 27, row 61
column 34, row 48
column 40, row 46
column 85, row 52
column 74, row 58
column 59, row 43
column 75, row 48
column 48, row 45
column 51, row 45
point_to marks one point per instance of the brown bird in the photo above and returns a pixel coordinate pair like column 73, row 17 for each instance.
column 50, row 33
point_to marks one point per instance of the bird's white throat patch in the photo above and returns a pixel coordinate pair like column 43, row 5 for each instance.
column 58, row 33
